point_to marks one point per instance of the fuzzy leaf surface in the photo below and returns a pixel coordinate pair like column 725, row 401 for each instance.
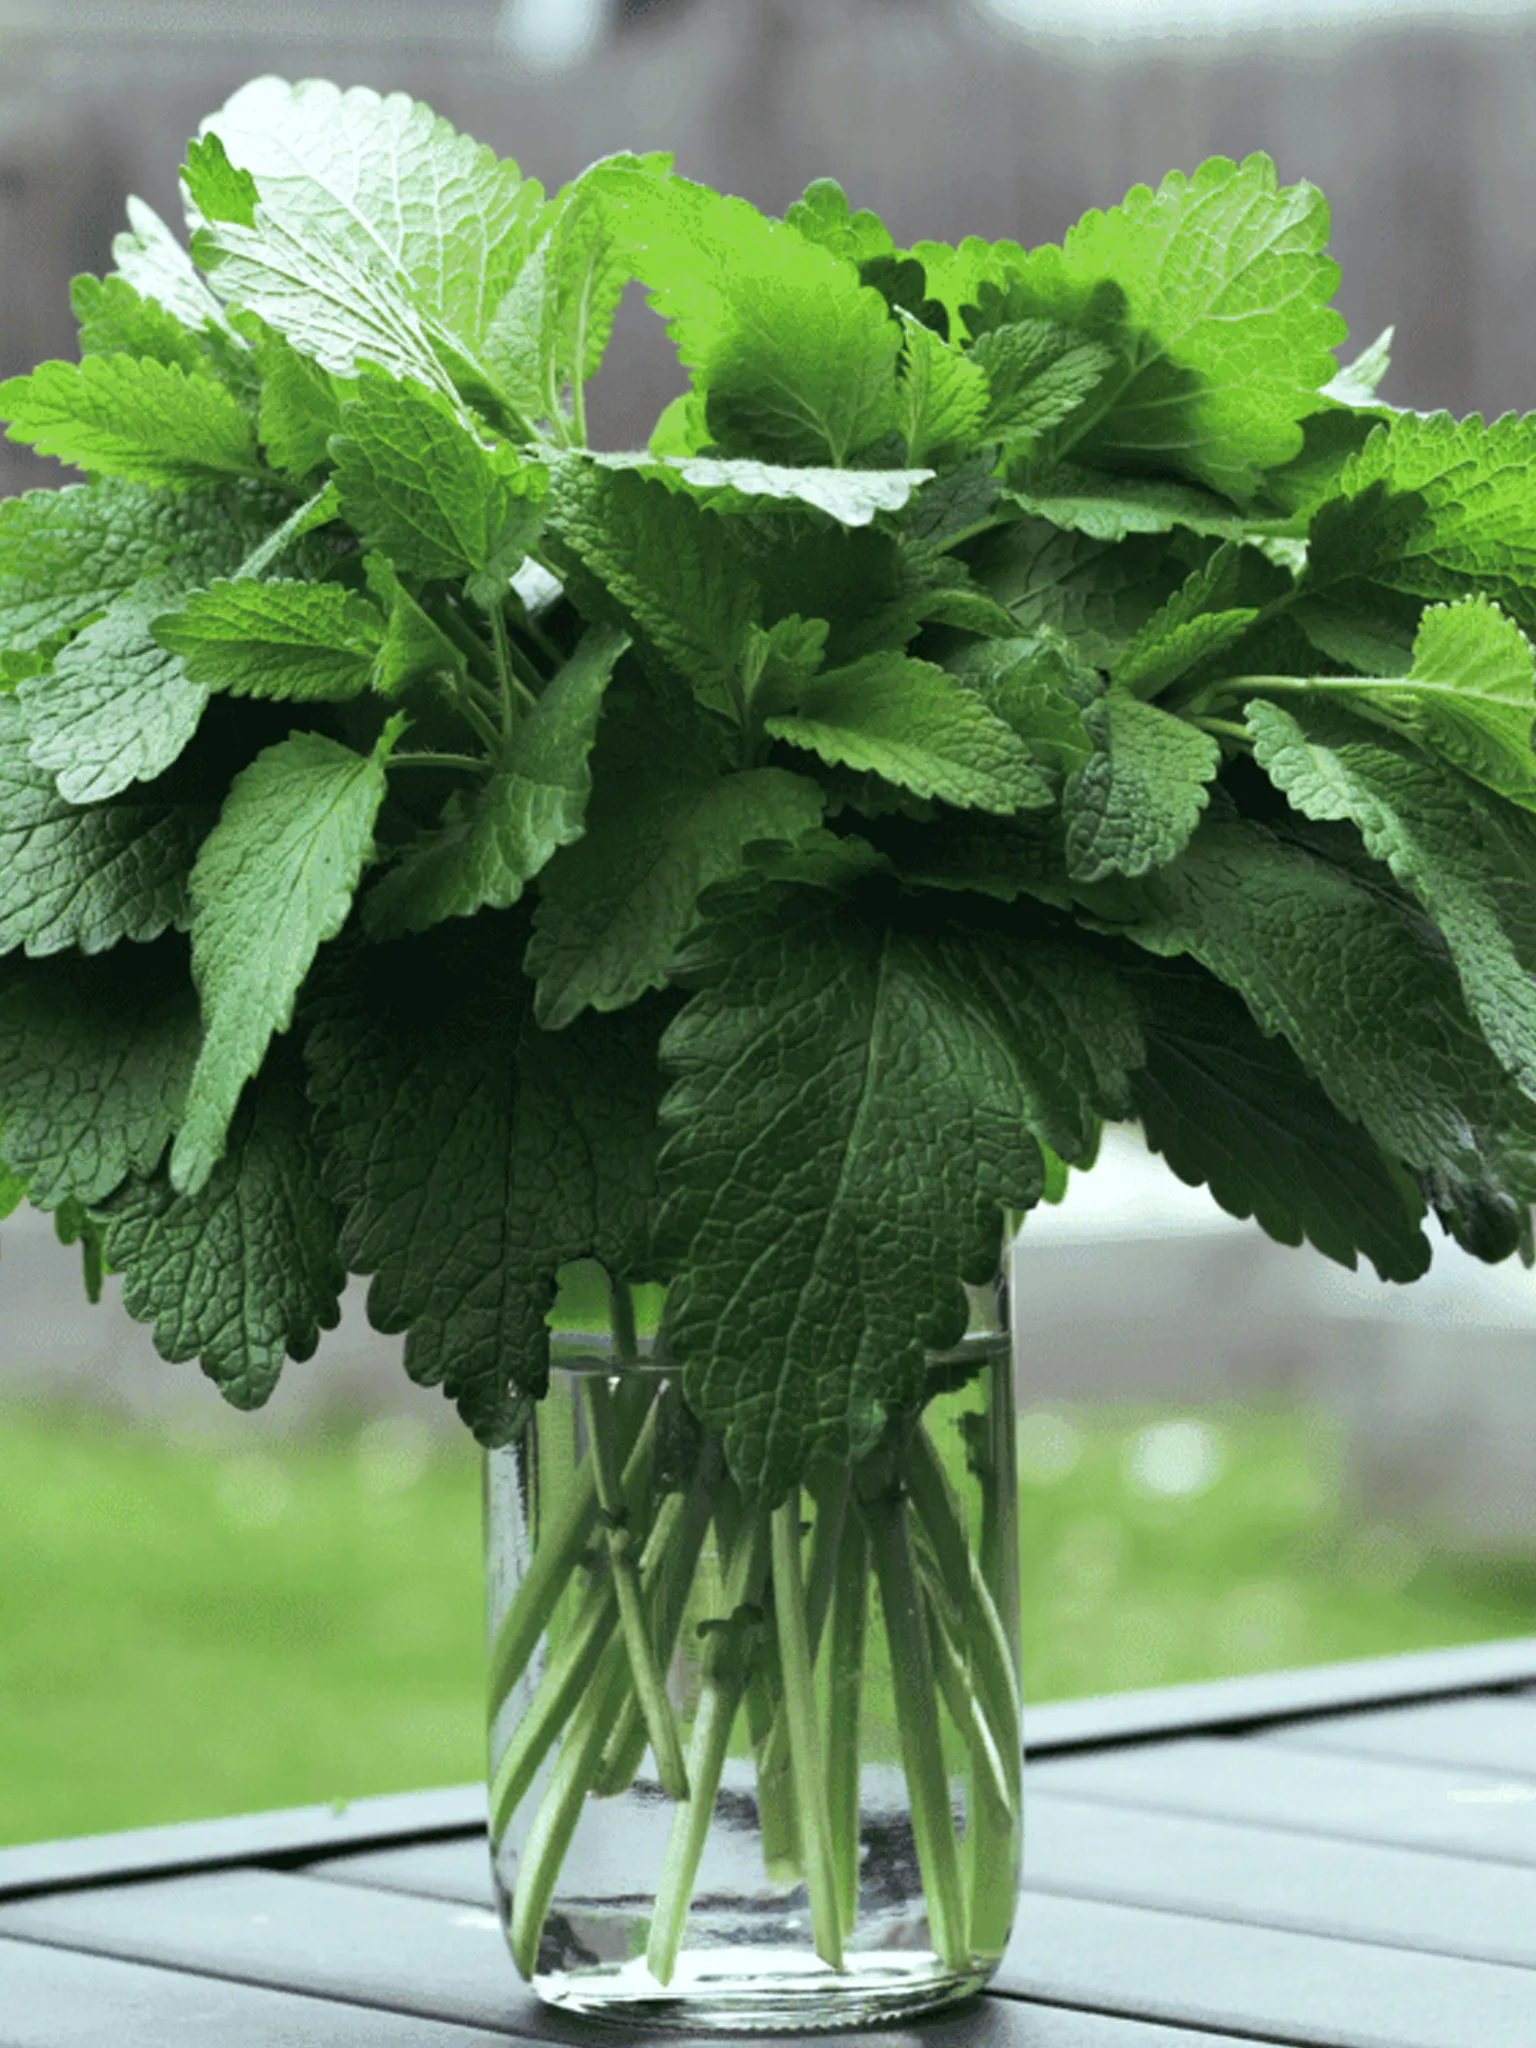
column 797, row 358
column 245, row 1270
column 1234, row 1111
column 474, row 1154
column 83, row 878
column 944, row 395
column 1111, row 508
column 853, row 1107
column 132, row 417
column 114, row 319
column 850, row 496
column 274, row 880
column 151, row 260
column 95, row 1057
column 534, row 801
column 665, row 824
column 919, row 727
column 1134, row 803
column 1422, row 823
column 1038, row 373
column 281, row 638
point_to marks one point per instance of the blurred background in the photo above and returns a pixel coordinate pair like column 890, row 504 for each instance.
column 1235, row 1456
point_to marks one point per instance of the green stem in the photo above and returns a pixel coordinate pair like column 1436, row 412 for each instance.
column 952, row 1673
column 804, row 1740
column 778, row 1830
column 726, row 1667
column 565, row 1683
column 992, row 1830
column 850, row 1616
column 917, row 1718
column 475, row 763
column 639, row 1639
column 1225, row 729
column 781, row 1843
column 991, row 1655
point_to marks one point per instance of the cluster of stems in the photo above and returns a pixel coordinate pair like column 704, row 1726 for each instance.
column 785, row 1649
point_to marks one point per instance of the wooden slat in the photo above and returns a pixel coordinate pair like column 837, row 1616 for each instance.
column 1489, row 1734
column 444, row 1962
column 1464, row 1813
column 1273, row 1696
column 1298, row 1988
column 1406, row 1898
column 242, row 1838
column 58, row 1998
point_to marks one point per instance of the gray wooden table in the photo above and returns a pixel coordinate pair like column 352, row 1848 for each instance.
column 1343, row 1857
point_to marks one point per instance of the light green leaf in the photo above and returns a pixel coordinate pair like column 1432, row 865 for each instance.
column 244, row 1270
column 850, row 496
column 95, row 1057
column 822, row 215
column 943, row 395
column 534, row 801
column 300, row 407
column 474, row 1154
column 116, row 707
column 1436, row 507
column 666, row 566
column 1234, row 1111
column 216, row 188
column 1039, row 686
column 1439, row 843
column 1109, row 508
column 1226, row 334
column 1356, row 382
column 854, row 1105
column 84, row 879
column 1360, row 985
column 131, row 417
column 67, row 554
column 13, row 1192
column 417, row 482
column 919, row 727
column 274, row 880
column 282, row 638
column 415, row 647
column 956, row 275
column 1133, row 805
column 115, row 320
column 1038, row 373
column 796, row 357
column 1197, row 622
column 665, row 824
column 151, row 260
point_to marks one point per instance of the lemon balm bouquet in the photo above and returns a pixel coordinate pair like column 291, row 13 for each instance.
column 666, row 915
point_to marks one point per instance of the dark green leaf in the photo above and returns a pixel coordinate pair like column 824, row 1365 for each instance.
column 1134, row 803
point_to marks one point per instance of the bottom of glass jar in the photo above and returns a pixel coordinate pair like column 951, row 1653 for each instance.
column 753, row 1989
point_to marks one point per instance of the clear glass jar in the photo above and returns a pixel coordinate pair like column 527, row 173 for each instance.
column 832, row 1836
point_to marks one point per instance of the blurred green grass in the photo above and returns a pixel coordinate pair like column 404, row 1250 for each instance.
column 192, row 1632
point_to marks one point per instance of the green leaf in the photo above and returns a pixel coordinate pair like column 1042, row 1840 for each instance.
column 66, row 554
column 666, row 566
column 1039, row 687
column 1133, row 805
column 116, row 707
column 95, row 1057
column 415, row 648
column 382, row 235
column 1469, row 698
column 151, row 260
column 1038, row 374
column 1436, row 507
column 665, row 824
column 850, row 496
column 473, row 1155
column 1098, row 595
column 919, row 727
column 245, row 1269
column 955, row 276
column 854, row 1105
column 115, row 320
column 83, row 879
column 1226, row 334
column 1439, row 843
column 796, row 357
column 1234, row 1111
column 1197, row 622
column 417, row 482
column 1356, row 382
column 1111, row 508
column 274, row 880
column 276, row 639
column 534, row 801
column 943, row 396
column 1357, row 982
column 822, row 215
column 215, row 186
column 300, row 407
column 13, row 1192
column 131, row 417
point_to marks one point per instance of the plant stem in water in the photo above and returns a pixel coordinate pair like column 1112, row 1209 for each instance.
column 850, row 1614
column 804, row 1739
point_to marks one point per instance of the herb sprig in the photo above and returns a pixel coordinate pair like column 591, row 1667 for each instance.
column 1014, row 689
